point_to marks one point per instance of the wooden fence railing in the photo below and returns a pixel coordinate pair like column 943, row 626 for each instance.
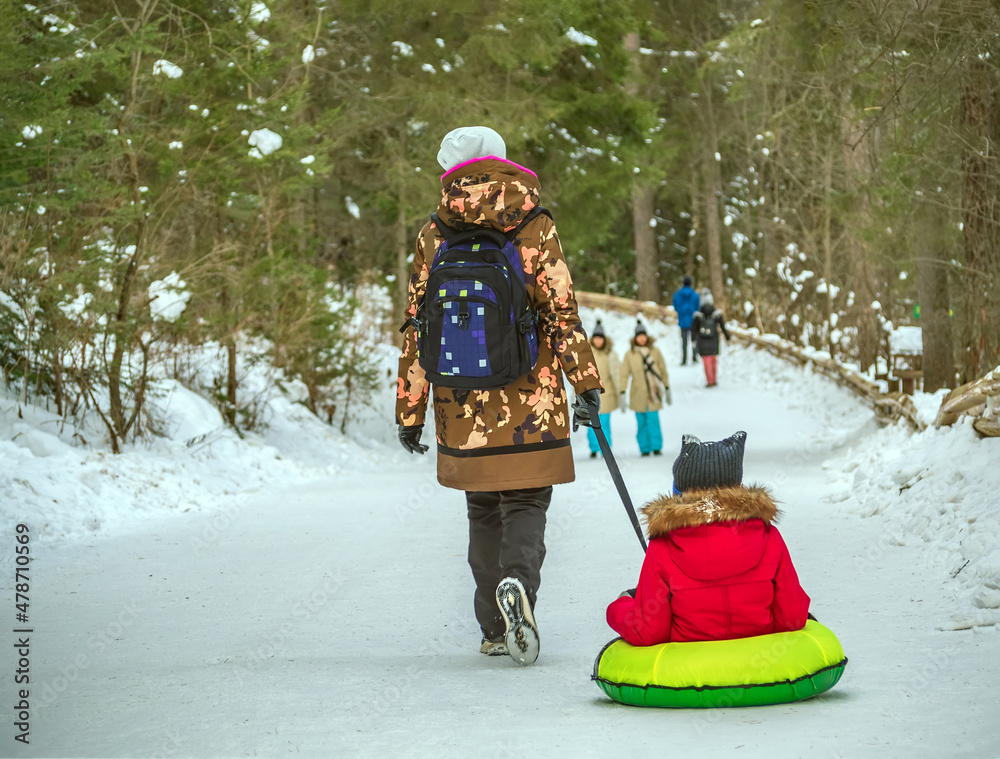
column 625, row 306
column 979, row 399
column 888, row 407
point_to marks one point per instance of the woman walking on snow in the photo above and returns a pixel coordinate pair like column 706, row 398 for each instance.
column 708, row 320
column 508, row 446
column 644, row 365
column 609, row 367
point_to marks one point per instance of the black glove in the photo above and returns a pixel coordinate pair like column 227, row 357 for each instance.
column 586, row 408
column 630, row 593
column 409, row 437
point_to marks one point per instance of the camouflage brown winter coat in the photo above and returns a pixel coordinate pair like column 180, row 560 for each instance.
column 516, row 436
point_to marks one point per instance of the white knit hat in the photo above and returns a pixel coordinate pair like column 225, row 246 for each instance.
column 466, row 143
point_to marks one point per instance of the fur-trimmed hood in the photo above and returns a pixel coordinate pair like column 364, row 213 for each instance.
column 714, row 534
column 700, row 507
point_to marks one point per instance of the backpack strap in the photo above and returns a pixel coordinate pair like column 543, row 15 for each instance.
column 446, row 232
column 454, row 237
column 533, row 213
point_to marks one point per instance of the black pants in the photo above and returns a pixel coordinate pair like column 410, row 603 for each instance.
column 685, row 336
column 506, row 539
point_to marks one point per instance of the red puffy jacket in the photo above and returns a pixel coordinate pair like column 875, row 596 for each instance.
column 716, row 569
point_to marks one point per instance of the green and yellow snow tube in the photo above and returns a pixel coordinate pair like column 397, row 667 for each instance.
column 767, row 669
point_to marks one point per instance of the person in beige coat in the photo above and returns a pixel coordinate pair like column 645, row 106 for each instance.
column 645, row 367
column 608, row 367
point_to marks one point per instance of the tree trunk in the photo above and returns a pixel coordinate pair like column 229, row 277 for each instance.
column 828, row 247
column 861, row 266
column 402, row 266
column 229, row 343
column 693, row 241
column 713, row 191
column 980, row 222
column 713, row 247
column 643, row 203
column 231, row 381
column 935, row 324
column 646, row 258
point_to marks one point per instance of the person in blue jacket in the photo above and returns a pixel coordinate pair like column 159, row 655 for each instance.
column 686, row 302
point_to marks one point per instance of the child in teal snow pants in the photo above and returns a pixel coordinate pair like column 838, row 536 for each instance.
column 645, row 368
column 649, row 435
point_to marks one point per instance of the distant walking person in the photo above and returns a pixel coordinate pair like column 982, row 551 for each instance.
column 609, row 367
column 644, row 365
column 686, row 302
column 707, row 322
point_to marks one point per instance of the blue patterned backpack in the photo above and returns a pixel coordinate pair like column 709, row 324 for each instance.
column 476, row 328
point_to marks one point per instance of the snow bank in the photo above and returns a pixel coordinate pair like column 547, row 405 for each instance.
column 937, row 488
column 67, row 484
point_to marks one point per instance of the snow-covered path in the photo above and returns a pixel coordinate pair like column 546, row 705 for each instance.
column 334, row 618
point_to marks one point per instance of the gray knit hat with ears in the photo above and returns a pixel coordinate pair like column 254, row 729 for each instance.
column 466, row 143
column 709, row 465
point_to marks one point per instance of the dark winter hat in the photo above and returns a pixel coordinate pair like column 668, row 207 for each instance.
column 640, row 328
column 468, row 143
column 709, row 465
column 598, row 330
column 687, row 281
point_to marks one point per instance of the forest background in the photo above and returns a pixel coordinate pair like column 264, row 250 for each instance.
column 243, row 176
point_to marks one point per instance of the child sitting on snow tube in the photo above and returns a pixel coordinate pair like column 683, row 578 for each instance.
column 716, row 568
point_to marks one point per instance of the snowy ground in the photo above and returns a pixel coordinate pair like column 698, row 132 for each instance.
column 308, row 594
